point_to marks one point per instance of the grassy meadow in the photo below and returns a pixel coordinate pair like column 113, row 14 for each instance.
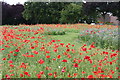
column 59, row 51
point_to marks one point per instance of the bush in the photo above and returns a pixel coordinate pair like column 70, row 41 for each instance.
column 54, row 32
column 104, row 38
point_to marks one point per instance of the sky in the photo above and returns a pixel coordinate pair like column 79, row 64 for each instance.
column 14, row 1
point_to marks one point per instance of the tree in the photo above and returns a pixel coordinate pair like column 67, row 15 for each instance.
column 71, row 13
column 115, row 9
column 89, row 12
column 93, row 10
column 43, row 12
column 12, row 14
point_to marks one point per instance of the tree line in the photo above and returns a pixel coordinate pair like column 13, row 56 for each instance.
column 57, row 12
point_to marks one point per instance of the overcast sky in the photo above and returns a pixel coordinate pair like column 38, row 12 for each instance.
column 14, row 1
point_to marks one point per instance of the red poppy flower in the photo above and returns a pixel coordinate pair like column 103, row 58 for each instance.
column 54, row 59
column 113, row 55
column 12, row 74
column 30, row 56
column 105, row 52
column 38, row 76
column 47, row 51
column 32, row 47
column 83, row 72
column 35, row 52
column 26, row 73
column 10, row 61
column 69, row 56
column 118, row 77
column 55, row 72
column 86, row 57
column 92, row 46
column 68, row 50
column 90, row 76
column 75, row 74
column 53, row 41
column 117, row 68
column 11, row 51
column 41, row 61
column 67, row 46
column 17, row 50
column 50, row 74
column 84, row 49
column 4, row 59
column 58, row 40
column 55, row 50
column 21, row 75
column 112, row 71
column 62, row 44
column 42, row 72
column 110, row 76
column 48, row 56
column 110, row 63
column 69, row 75
column 64, row 60
column 2, row 49
column 75, row 65
column 15, row 54
column 55, row 75
column 73, row 45
column 11, row 65
column 58, row 56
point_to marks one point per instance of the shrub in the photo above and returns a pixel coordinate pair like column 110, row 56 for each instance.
column 54, row 32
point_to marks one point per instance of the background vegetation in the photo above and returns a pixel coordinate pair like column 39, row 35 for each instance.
column 57, row 12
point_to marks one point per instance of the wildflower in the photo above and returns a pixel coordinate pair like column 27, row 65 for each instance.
column 86, row 57
column 4, row 59
column 35, row 52
column 32, row 47
column 42, row 72
column 90, row 76
column 63, row 70
column 48, row 56
column 75, row 74
column 47, row 51
column 69, row 75
column 58, row 56
column 83, row 72
column 68, row 50
column 11, row 65
column 84, row 49
column 110, row 63
column 50, row 74
column 53, row 41
column 75, row 65
column 55, row 50
column 92, row 46
column 17, row 50
column 41, row 61
column 10, row 61
column 38, row 76
column 26, row 73
column 64, row 60
column 2, row 49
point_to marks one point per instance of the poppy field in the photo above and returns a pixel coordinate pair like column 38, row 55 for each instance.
column 59, row 51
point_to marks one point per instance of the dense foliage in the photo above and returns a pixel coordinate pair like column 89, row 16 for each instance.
column 12, row 14
column 58, row 12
